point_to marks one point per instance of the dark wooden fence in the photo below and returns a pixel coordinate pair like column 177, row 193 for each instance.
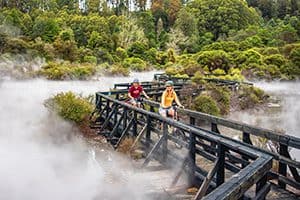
column 248, row 165
column 284, row 162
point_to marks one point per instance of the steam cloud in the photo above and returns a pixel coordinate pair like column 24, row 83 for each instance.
column 286, row 118
column 41, row 156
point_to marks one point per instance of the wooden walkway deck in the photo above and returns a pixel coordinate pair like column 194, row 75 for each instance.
column 223, row 168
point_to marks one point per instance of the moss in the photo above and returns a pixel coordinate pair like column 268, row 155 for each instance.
column 206, row 104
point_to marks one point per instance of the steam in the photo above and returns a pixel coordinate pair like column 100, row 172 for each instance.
column 42, row 157
column 282, row 116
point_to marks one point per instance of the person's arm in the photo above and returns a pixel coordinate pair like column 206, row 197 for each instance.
column 177, row 101
column 144, row 93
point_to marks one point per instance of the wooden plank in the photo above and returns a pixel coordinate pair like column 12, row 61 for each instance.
column 282, row 169
column 153, row 151
column 237, row 185
column 221, row 165
column 127, row 128
column 204, row 186
column 138, row 138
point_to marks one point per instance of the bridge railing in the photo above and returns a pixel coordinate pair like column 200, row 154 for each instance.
column 285, row 142
column 123, row 119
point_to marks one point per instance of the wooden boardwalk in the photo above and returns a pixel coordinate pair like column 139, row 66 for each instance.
column 208, row 160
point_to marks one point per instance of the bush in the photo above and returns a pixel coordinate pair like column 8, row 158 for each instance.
column 206, row 104
column 61, row 71
column 275, row 59
column 250, row 96
column 222, row 96
column 118, row 69
column 135, row 64
column 70, row 106
column 214, row 60
column 137, row 50
column 121, row 54
column 90, row 59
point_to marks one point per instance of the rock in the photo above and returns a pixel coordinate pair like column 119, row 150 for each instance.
column 273, row 105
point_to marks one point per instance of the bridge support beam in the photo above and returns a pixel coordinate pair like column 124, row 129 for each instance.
column 221, row 165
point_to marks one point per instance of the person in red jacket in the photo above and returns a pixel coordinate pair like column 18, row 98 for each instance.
column 134, row 93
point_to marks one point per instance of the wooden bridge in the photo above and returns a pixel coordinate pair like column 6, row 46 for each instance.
column 219, row 166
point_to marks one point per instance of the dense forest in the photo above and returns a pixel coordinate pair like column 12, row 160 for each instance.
column 232, row 39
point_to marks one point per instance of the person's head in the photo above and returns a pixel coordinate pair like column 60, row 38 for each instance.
column 135, row 82
column 169, row 85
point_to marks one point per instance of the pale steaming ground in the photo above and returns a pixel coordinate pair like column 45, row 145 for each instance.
column 42, row 159
column 284, row 118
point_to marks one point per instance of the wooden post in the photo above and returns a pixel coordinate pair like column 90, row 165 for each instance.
column 98, row 102
column 246, row 139
column 214, row 128
column 107, row 108
column 134, row 124
column 192, row 121
column 165, row 142
column 192, row 158
column 221, row 164
column 260, row 184
column 125, row 117
column 116, row 115
column 282, row 166
column 148, row 132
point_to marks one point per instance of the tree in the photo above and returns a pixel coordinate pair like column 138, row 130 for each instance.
column 186, row 22
column 283, row 8
column 295, row 7
column 221, row 16
column 130, row 33
column 46, row 28
column 66, row 46
column 268, row 8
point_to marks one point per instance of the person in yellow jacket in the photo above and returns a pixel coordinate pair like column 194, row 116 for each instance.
column 169, row 95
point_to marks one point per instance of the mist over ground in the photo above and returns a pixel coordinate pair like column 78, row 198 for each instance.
column 41, row 156
column 283, row 115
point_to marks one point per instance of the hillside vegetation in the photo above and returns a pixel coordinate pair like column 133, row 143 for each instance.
column 231, row 39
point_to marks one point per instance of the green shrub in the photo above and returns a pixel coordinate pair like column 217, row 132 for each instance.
column 171, row 70
column 121, row 54
column 198, row 78
column 270, row 50
column 135, row 64
column 61, row 71
column 275, row 59
column 82, row 71
column 151, row 55
column 222, row 96
column 15, row 45
column 206, row 104
column 117, row 69
column 227, row 46
column 250, row 96
column 90, row 59
column 295, row 59
column 70, row 106
column 250, row 56
column 137, row 49
column 214, row 59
